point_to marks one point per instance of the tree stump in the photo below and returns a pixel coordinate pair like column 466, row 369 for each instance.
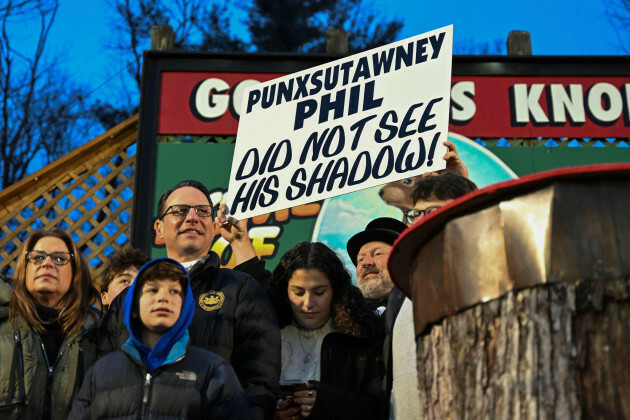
column 556, row 351
column 521, row 297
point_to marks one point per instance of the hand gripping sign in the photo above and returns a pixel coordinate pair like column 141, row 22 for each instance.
column 364, row 120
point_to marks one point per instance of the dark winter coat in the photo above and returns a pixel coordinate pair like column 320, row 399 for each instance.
column 351, row 378
column 28, row 380
column 196, row 385
column 233, row 318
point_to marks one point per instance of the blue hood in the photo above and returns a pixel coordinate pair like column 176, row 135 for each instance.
column 155, row 357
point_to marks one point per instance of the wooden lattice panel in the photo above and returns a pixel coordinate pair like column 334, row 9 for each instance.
column 88, row 193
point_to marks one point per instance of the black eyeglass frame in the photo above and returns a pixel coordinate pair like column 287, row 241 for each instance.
column 413, row 214
column 168, row 210
column 29, row 256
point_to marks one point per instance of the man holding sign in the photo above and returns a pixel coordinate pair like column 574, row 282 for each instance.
column 361, row 121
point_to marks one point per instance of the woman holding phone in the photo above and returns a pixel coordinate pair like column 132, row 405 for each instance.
column 331, row 340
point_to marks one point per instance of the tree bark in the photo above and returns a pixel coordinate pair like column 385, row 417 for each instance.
column 555, row 351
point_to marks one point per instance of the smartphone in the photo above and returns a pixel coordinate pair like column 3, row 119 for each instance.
column 289, row 386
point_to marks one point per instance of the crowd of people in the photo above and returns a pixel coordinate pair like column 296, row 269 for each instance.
column 181, row 337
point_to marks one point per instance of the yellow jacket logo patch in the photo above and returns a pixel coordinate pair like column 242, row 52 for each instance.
column 211, row 300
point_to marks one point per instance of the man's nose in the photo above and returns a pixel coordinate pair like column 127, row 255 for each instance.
column 192, row 214
column 368, row 260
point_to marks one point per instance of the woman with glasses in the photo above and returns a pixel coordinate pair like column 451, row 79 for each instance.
column 331, row 345
column 47, row 329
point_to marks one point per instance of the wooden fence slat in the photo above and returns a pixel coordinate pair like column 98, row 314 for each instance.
column 94, row 172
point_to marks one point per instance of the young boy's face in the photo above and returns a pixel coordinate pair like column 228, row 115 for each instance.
column 160, row 304
column 118, row 284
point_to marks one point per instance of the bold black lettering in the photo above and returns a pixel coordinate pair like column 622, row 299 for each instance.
column 327, row 105
column 284, row 92
column 368, row 98
column 383, row 62
column 362, row 71
column 436, row 44
column 353, row 102
column 268, row 190
column 337, row 131
column 384, row 125
column 358, row 126
column 254, row 97
column 386, row 153
column 263, row 165
column 243, row 199
column 301, row 87
column 404, row 55
column 316, row 82
column 318, row 180
column 426, row 116
column 404, row 162
column 254, row 201
column 304, row 110
column 239, row 173
column 421, row 50
column 284, row 145
column 407, row 121
column 352, row 179
column 317, row 145
column 301, row 188
column 331, row 78
column 269, row 93
column 345, row 68
column 339, row 171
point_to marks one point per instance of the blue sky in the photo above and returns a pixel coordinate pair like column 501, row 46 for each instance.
column 567, row 27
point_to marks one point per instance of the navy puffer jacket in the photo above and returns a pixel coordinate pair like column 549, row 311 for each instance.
column 233, row 318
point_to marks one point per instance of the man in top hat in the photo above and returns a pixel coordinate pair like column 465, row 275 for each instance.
column 369, row 250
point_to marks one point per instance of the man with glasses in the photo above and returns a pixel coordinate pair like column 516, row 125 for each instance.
column 433, row 192
column 233, row 316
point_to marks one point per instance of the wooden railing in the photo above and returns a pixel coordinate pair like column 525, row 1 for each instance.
column 88, row 193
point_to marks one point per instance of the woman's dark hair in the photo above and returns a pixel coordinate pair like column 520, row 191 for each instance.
column 349, row 310
column 73, row 306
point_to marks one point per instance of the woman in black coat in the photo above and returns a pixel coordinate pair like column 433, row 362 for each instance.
column 331, row 340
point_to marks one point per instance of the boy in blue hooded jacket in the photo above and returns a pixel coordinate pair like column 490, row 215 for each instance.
column 157, row 374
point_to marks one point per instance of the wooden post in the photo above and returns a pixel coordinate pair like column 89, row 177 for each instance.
column 519, row 43
column 162, row 37
column 337, row 41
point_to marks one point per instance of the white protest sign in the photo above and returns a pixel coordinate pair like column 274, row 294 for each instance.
column 361, row 121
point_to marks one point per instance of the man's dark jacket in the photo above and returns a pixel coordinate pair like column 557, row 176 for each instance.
column 233, row 318
column 350, row 385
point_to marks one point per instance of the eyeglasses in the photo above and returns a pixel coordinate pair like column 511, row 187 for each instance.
column 182, row 210
column 412, row 214
column 58, row 258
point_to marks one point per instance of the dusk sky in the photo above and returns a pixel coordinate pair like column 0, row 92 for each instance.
column 567, row 27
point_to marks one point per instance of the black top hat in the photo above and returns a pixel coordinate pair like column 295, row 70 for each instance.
column 383, row 229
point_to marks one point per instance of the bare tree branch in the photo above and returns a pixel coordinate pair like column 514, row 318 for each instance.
column 40, row 107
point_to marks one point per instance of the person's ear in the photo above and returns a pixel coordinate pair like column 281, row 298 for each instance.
column 158, row 226
column 104, row 299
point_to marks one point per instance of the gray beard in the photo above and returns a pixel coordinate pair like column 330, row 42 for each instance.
column 375, row 288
